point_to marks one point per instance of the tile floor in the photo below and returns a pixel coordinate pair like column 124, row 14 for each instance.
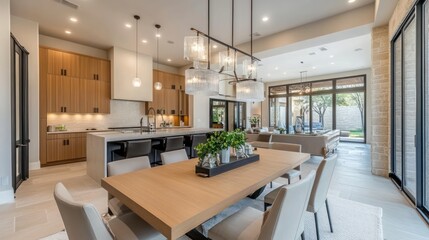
column 34, row 213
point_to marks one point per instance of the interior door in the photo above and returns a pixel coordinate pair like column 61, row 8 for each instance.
column 19, row 106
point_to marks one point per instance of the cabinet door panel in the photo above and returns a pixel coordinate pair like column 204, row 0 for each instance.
column 64, row 94
column 172, row 101
column 104, row 97
column 71, row 64
column 103, row 70
column 88, row 67
column 55, row 62
column 91, row 95
column 53, row 101
column 74, row 104
column 51, row 150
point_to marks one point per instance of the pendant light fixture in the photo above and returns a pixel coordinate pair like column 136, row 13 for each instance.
column 157, row 85
column 200, row 79
column 250, row 89
column 137, row 82
column 304, row 88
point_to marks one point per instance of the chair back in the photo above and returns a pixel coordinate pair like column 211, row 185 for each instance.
column 321, row 183
column 286, row 146
column 137, row 148
column 173, row 156
column 82, row 221
column 264, row 137
column 288, row 209
column 174, row 143
column 127, row 165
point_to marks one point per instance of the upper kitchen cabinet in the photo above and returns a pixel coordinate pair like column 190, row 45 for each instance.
column 94, row 69
column 63, row 64
column 124, row 71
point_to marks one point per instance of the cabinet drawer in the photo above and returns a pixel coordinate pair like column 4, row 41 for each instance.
column 66, row 146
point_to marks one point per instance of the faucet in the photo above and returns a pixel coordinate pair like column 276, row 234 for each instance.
column 151, row 113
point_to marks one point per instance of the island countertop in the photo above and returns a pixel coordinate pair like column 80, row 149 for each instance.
column 113, row 136
column 98, row 151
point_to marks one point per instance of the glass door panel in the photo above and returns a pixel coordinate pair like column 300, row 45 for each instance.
column 299, row 109
column 426, row 109
column 321, row 112
column 278, row 107
column 350, row 116
column 409, row 110
column 398, row 107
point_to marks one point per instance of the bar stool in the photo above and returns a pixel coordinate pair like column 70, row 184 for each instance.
column 191, row 141
column 134, row 148
column 168, row 144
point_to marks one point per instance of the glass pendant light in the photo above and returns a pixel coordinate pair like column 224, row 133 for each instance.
column 194, row 49
column 228, row 60
column 249, row 68
column 137, row 82
column 250, row 91
column 201, row 81
column 157, row 85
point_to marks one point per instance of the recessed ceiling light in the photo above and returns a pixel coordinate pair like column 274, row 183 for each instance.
column 352, row 1
column 215, row 46
column 73, row 19
column 144, row 41
column 264, row 19
column 276, row 68
column 169, row 60
column 284, row 73
column 158, row 35
column 127, row 25
column 331, row 56
column 67, row 32
column 314, row 67
column 332, row 63
column 268, row 75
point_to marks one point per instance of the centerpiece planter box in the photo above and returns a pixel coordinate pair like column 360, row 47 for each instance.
column 224, row 167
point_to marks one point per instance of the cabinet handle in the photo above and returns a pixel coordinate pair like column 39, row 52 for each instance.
column 65, row 72
column 65, row 109
column 68, row 142
column 64, row 142
column 93, row 76
column 97, row 77
column 95, row 110
column 61, row 109
column 62, row 71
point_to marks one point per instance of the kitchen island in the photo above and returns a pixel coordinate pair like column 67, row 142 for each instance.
column 98, row 152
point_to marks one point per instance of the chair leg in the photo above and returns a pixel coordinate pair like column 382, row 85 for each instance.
column 302, row 236
column 266, row 205
column 288, row 181
column 317, row 225
column 329, row 215
column 271, row 184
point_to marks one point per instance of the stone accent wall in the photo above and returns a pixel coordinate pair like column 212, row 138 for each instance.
column 379, row 89
column 401, row 10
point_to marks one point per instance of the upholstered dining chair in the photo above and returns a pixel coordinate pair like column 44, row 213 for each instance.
column 319, row 191
column 121, row 167
column 293, row 173
column 83, row 221
column 280, row 223
column 173, row 156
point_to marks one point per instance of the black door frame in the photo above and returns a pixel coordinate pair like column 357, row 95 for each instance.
column 227, row 111
column 16, row 47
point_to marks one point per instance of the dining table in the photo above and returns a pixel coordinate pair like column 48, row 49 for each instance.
column 174, row 200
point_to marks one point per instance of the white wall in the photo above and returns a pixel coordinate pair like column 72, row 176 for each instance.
column 64, row 45
column 27, row 33
column 366, row 72
column 123, row 71
column 6, row 191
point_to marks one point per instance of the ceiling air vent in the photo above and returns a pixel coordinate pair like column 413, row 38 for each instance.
column 256, row 34
column 68, row 3
column 323, row 49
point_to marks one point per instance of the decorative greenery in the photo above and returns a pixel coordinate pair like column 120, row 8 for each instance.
column 219, row 141
column 254, row 119
column 281, row 130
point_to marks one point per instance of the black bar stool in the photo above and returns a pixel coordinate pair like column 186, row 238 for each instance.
column 134, row 148
column 191, row 141
column 168, row 144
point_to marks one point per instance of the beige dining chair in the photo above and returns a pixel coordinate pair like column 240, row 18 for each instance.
column 83, row 221
column 293, row 173
column 280, row 223
column 319, row 191
column 174, row 156
column 121, row 167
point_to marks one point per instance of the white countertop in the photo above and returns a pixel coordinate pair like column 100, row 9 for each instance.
column 80, row 131
column 120, row 136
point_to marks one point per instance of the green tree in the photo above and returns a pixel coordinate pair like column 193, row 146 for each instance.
column 320, row 105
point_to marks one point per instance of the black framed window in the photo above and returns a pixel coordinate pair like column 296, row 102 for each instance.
column 330, row 104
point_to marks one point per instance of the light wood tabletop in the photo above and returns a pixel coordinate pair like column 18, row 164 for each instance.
column 174, row 200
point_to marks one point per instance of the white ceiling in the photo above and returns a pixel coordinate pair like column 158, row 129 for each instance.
column 101, row 22
column 342, row 54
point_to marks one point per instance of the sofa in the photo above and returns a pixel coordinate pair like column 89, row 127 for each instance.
column 315, row 144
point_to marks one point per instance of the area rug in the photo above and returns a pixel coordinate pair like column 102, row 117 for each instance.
column 351, row 220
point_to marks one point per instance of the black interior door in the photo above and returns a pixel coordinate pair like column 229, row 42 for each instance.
column 19, row 102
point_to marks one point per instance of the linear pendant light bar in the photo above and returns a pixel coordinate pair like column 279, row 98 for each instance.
column 225, row 44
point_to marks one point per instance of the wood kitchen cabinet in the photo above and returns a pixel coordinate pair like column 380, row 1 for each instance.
column 171, row 101
column 94, row 69
column 95, row 96
column 65, row 147
column 63, row 94
column 62, row 63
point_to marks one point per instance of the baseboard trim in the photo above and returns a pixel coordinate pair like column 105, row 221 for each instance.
column 6, row 195
column 34, row 165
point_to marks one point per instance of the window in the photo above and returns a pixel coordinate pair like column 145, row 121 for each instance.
column 331, row 104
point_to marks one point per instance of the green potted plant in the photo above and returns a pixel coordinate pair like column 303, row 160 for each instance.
column 281, row 130
column 254, row 121
column 208, row 152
